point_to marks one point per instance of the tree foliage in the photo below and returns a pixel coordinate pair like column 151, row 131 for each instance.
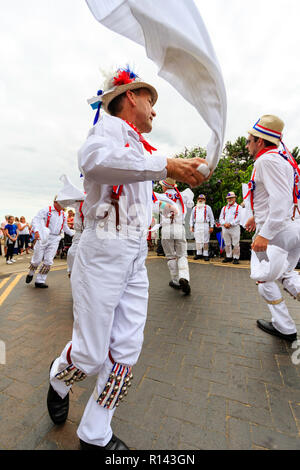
column 234, row 168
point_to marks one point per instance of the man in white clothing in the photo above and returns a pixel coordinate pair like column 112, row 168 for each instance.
column 231, row 230
column 72, row 197
column 47, row 226
column 173, row 237
column 109, row 279
column 202, row 223
column 273, row 202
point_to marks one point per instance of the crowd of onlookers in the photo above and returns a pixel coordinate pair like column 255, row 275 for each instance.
column 17, row 236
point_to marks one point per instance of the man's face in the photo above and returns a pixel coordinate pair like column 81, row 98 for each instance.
column 144, row 111
column 201, row 201
column 57, row 206
column 252, row 146
column 11, row 220
column 231, row 200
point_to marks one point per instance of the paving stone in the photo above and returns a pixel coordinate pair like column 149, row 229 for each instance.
column 239, row 434
column 273, row 440
column 207, row 377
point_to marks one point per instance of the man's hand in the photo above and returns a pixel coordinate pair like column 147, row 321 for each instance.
column 36, row 236
column 211, row 230
column 227, row 225
column 250, row 225
column 260, row 244
column 185, row 170
column 191, row 229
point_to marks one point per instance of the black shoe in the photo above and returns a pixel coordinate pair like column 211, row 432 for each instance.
column 58, row 407
column 235, row 261
column 268, row 327
column 185, row 286
column 114, row 444
column 227, row 260
column 41, row 285
column 175, row 286
column 28, row 278
column 197, row 256
column 206, row 258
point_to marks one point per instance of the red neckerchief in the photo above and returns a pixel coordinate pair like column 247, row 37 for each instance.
column 143, row 141
column 264, row 150
column 251, row 184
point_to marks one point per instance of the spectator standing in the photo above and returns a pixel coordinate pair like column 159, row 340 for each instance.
column 70, row 219
column 24, row 235
column 3, row 231
column 11, row 232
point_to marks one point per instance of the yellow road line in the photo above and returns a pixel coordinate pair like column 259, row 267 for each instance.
column 10, row 288
column 4, row 282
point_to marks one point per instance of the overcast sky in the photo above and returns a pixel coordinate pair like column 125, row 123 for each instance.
column 51, row 53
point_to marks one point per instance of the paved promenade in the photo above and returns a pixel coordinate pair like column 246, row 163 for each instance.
column 207, row 377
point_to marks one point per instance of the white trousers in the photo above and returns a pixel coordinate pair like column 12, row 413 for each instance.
column 72, row 251
column 202, row 236
column 175, row 247
column 110, row 294
column 232, row 239
column 43, row 253
column 289, row 240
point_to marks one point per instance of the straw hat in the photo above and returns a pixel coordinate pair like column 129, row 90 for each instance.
column 121, row 81
column 268, row 127
column 201, row 196
column 168, row 183
column 230, row 194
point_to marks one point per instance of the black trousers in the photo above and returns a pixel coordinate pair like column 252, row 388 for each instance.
column 10, row 250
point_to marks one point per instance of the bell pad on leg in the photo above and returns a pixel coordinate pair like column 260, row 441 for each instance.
column 70, row 375
column 115, row 388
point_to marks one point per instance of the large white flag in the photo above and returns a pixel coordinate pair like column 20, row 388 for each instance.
column 176, row 39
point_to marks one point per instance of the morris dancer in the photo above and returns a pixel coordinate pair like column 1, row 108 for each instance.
column 72, row 197
column 173, row 237
column 47, row 226
column 231, row 231
column 202, row 223
column 273, row 192
column 109, row 278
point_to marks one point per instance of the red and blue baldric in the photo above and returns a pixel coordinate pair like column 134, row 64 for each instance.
column 176, row 197
column 286, row 154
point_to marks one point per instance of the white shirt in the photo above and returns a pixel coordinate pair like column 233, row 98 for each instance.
column 230, row 215
column 114, row 155
column 201, row 215
column 273, row 194
column 24, row 230
column 57, row 221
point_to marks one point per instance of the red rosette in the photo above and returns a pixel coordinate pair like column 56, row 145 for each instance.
column 122, row 78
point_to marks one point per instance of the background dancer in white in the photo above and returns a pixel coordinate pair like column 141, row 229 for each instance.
column 273, row 195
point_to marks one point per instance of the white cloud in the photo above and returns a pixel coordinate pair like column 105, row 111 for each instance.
column 51, row 52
